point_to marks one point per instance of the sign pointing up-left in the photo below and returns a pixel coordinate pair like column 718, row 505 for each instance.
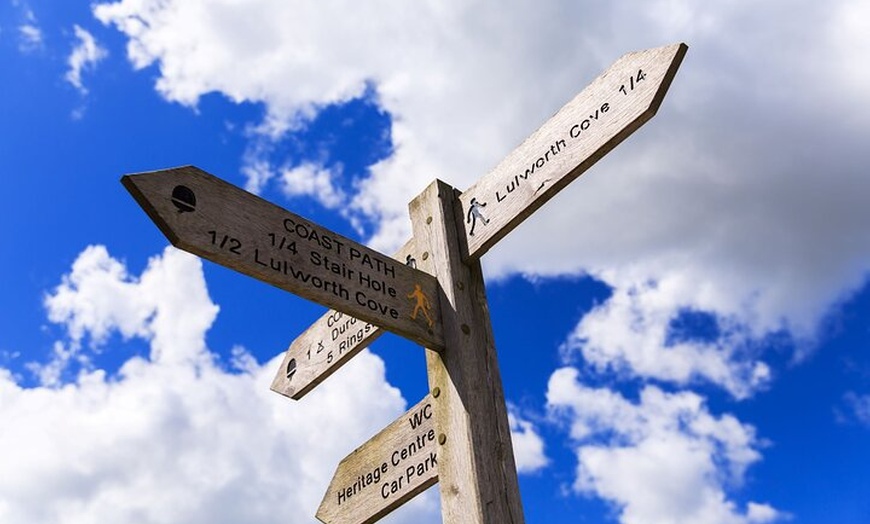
column 213, row 219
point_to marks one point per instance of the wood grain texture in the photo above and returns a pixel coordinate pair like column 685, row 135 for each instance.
column 391, row 468
column 477, row 471
column 327, row 345
column 601, row 116
column 213, row 219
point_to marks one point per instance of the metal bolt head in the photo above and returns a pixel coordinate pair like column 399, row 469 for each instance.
column 436, row 392
column 183, row 199
column 442, row 438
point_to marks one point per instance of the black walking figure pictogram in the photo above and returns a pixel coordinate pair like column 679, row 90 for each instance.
column 474, row 213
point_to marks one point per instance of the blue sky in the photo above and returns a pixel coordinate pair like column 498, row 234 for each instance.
column 682, row 331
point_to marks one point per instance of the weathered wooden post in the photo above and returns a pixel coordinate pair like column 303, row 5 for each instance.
column 477, row 472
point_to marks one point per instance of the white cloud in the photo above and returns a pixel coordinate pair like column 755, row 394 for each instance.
column 30, row 37
column 257, row 170
column 629, row 332
column 99, row 296
column 175, row 437
column 314, row 181
column 86, row 54
column 859, row 407
column 762, row 513
column 743, row 198
column 299, row 57
column 662, row 459
column 527, row 443
column 848, row 32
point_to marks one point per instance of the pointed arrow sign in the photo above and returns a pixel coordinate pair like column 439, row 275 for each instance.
column 385, row 472
column 327, row 345
column 611, row 108
column 218, row 221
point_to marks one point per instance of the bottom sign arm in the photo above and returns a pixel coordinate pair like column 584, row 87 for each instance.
column 390, row 469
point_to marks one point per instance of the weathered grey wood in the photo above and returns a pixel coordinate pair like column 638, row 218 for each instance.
column 326, row 346
column 225, row 224
column 611, row 108
column 477, row 472
column 385, row 472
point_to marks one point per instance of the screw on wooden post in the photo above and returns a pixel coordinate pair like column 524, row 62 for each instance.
column 477, row 472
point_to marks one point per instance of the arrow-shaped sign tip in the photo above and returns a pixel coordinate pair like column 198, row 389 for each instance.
column 149, row 188
column 677, row 52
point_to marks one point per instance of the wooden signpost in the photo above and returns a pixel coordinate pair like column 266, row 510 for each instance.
column 432, row 293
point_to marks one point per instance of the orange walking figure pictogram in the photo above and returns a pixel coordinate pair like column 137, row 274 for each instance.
column 421, row 305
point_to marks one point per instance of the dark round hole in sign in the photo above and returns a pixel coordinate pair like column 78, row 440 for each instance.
column 183, row 199
column 291, row 369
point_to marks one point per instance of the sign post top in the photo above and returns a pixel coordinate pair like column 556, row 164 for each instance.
column 218, row 221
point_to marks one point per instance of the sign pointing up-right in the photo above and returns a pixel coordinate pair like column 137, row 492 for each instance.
column 601, row 116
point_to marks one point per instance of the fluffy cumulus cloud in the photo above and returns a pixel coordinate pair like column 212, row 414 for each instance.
column 175, row 436
column 99, row 297
column 632, row 332
column 314, row 181
column 662, row 459
column 745, row 201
